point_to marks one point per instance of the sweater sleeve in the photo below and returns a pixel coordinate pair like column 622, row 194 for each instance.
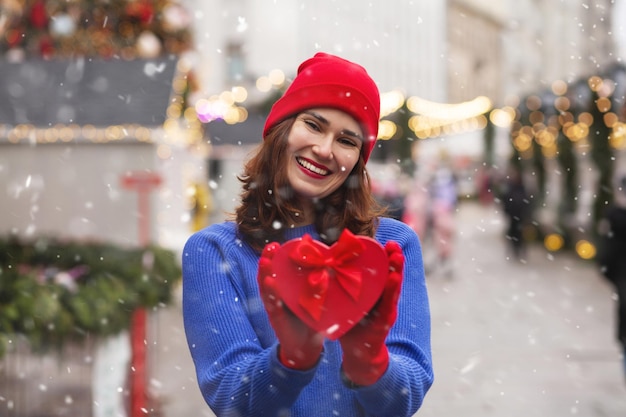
column 402, row 388
column 230, row 339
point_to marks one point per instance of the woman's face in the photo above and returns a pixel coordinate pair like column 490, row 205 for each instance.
column 323, row 146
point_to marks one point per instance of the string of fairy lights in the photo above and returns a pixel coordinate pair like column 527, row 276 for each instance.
column 429, row 119
column 544, row 129
column 181, row 125
column 574, row 120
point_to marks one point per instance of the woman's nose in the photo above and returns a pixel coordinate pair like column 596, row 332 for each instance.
column 324, row 148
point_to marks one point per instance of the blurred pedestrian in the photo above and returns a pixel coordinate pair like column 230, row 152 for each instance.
column 516, row 206
column 612, row 258
column 416, row 213
column 388, row 191
column 443, row 198
column 307, row 180
column 485, row 182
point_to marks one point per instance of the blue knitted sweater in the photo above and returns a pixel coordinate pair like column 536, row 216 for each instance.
column 234, row 347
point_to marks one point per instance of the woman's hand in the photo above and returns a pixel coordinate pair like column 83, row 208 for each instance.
column 300, row 346
column 365, row 355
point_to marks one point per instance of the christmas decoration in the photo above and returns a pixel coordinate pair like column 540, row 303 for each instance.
column 148, row 45
column 103, row 28
column 53, row 292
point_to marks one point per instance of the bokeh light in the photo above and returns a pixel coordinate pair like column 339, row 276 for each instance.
column 585, row 249
column 553, row 242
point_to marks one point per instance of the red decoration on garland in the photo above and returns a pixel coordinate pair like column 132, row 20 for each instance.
column 14, row 37
column 331, row 288
column 46, row 47
column 38, row 15
column 141, row 10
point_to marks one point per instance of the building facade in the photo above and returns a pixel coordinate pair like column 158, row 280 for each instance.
column 444, row 52
column 401, row 43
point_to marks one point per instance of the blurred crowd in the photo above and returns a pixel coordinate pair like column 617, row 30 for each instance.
column 428, row 200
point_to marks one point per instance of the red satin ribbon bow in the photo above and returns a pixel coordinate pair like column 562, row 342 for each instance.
column 323, row 267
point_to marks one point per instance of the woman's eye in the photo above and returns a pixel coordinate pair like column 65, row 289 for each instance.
column 312, row 125
column 348, row 142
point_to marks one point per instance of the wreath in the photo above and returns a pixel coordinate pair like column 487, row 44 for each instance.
column 53, row 292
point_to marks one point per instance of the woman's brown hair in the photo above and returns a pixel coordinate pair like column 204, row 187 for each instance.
column 268, row 205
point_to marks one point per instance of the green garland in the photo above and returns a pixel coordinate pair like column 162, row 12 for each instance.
column 53, row 292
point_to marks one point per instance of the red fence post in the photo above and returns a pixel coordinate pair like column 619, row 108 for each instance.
column 143, row 182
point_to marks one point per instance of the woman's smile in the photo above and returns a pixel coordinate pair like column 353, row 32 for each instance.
column 311, row 168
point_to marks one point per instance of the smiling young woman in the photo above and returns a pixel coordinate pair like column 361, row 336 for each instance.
column 308, row 183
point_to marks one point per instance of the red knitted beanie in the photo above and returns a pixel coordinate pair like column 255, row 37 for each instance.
column 330, row 81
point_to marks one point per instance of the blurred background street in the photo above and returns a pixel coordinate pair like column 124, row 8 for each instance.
column 510, row 339
column 124, row 125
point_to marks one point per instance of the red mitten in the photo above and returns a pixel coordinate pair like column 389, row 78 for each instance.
column 365, row 355
column 299, row 346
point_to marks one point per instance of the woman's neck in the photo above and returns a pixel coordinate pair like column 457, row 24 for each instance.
column 304, row 218
column 307, row 215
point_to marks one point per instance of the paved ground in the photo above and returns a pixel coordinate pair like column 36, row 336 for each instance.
column 513, row 339
column 509, row 339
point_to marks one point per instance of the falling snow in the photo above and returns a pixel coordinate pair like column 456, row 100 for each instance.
column 529, row 337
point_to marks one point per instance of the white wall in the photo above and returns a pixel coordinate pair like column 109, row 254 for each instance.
column 75, row 191
column 618, row 28
column 401, row 43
